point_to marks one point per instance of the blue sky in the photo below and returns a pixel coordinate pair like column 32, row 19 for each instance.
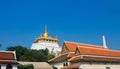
column 83, row 21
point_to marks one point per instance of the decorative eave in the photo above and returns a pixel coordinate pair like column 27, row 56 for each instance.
column 59, row 58
column 94, row 58
column 8, row 61
column 65, row 49
column 62, row 57
column 49, row 38
column 71, row 54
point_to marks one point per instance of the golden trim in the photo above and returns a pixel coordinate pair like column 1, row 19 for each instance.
column 45, row 38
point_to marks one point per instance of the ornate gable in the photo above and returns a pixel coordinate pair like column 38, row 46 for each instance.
column 77, row 52
column 64, row 49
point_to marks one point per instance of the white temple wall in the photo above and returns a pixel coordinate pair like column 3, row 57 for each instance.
column 50, row 46
column 58, row 65
column 3, row 66
column 98, row 65
column 14, row 66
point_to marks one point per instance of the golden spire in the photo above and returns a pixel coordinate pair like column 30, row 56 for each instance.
column 45, row 32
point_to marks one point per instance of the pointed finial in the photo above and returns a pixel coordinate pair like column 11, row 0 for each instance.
column 104, row 42
column 45, row 28
column 45, row 32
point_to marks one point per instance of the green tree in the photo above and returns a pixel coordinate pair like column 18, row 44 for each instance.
column 46, row 51
column 20, row 50
column 24, row 54
column 39, row 55
column 20, row 66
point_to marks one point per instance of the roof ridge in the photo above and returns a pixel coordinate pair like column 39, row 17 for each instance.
column 7, row 51
column 98, row 56
column 84, row 44
column 115, row 50
column 100, row 48
column 94, row 48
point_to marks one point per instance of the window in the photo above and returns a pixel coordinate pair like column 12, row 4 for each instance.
column 0, row 66
column 65, row 64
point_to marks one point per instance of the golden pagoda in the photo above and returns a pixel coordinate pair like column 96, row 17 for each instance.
column 46, row 38
column 45, row 41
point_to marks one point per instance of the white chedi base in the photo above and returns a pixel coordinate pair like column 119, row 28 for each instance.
column 52, row 47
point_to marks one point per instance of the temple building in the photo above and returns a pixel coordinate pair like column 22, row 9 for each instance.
column 86, row 56
column 8, row 60
column 45, row 41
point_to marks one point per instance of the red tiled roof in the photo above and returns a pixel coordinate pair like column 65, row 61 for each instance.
column 87, row 49
column 72, row 46
column 97, row 51
column 4, row 55
column 96, row 54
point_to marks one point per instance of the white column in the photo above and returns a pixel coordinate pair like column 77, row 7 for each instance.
column 104, row 42
column 3, row 66
column 14, row 66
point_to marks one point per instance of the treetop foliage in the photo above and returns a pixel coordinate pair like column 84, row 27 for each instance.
column 24, row 54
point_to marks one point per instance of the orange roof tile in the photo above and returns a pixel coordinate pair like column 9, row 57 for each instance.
column 97, row 51
column 72, row 46
column 87, row 49
column 96, row 54
column 59, row 58
column 4, row 55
